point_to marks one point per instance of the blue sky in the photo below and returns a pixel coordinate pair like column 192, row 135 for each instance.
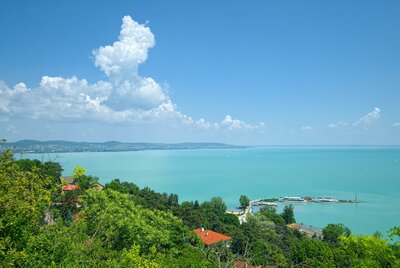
column 259, row 72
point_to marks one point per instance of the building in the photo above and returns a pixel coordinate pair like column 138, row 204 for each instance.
column 71, row 185
column 68, row 187
column 210, row 237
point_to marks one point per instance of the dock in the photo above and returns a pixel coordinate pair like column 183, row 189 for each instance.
column 242, row 215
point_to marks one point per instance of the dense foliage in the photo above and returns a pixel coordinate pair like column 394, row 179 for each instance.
column 125, row 226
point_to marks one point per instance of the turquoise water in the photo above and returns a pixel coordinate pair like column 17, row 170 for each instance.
column 372, row 173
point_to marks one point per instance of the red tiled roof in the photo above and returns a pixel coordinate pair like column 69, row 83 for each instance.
column 69, row 187
column 210, row 237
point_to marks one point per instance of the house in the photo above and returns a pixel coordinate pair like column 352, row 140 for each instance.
column 71, row 186
column 68, row 187
column 210, row 237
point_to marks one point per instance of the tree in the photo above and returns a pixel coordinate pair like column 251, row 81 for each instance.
column 24, row 197
column 271, row 215
column 78, row 172
column 119, row 224
column 244, row 201
column 311, row 253
column 84, row 181
column 332, row 232
column 365, row 251
column 288, row 214
column 394, row 235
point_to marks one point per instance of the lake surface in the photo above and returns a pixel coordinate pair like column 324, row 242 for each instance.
column 373, row 173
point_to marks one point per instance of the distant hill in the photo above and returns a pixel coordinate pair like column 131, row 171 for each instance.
column 33, row 146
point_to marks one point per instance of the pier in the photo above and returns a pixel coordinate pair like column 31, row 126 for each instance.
column 242, row 215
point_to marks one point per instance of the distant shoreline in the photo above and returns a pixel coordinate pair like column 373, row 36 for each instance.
column 33, row 146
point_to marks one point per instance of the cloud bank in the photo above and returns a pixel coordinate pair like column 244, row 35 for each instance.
column 124, row 97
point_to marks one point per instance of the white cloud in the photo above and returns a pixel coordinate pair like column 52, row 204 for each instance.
column 125, row 97
column 201, row 123
column 369, row 118
column 337, row 125
column 230, row 123
column 397, row 124
column 124, row 56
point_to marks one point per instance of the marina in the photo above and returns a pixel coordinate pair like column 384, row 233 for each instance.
column 242, row 214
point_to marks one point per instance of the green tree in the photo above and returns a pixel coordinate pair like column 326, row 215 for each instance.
column 332, row 232
column 311, row 253
column 270, row 214
column 365, row 251
column 288, row 214
column 118, row 223
column 244, row 201
column 24, row 197
column 85, row 182
column 394, row 235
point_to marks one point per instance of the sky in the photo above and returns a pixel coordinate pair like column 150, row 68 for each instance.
column 240, row 72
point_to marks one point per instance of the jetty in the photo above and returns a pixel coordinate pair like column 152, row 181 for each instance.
column 242, row 214
column 306, row 199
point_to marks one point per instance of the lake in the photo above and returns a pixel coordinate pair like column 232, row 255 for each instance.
column 371, row 173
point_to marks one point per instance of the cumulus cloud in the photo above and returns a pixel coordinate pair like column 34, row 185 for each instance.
column 369, row 118
column 124, row 97
column 131, row 49
column 397, row 124
column 230, row 123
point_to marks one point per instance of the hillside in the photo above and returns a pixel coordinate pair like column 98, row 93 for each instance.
column 59, row 146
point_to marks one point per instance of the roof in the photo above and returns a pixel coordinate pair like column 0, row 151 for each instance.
column 210, row 237
column 294, row 226
column 69, row 187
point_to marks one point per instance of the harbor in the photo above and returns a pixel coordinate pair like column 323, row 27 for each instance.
column 272, row 202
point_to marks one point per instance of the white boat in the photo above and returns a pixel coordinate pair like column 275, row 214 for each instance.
column 292, row 199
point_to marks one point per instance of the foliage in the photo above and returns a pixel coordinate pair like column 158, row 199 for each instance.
column 365, row 251
column 25, row 194
column 78, row 172
column 288, row 214
column 312, row 253
column 332, row 232
column 394, row 235
column 244, row 201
